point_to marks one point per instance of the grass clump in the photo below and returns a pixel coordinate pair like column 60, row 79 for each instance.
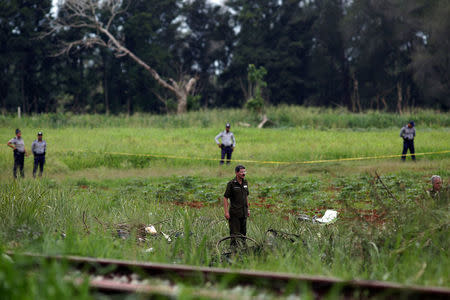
column 24, row 279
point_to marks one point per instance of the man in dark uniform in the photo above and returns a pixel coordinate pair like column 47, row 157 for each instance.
column 18, row 145
column 39, row 148
column 237, row 213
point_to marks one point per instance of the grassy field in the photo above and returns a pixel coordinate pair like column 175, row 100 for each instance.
column 402, row 238
column 75, row 149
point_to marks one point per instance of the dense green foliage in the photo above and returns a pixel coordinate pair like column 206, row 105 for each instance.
column 383, row 55
column 282, row 116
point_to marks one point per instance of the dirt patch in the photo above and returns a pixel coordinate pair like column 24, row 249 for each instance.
column 372, row 216
column 193, row 204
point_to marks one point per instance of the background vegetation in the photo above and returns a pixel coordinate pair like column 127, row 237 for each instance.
column 383, row 55
column 282, row 116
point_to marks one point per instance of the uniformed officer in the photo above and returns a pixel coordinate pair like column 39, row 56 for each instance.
column 227, row 143
column 39, row 148
column 408, row 132
column 237, row 213
column 18, row 145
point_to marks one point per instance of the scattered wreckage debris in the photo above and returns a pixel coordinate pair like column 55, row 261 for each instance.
column 238, row 245
column 292, row 237
column 329, row 217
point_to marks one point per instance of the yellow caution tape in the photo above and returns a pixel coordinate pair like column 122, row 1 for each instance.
column 262, row 161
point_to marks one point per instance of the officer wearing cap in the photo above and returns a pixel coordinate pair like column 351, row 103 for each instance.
column 39, row 147
column 227, row 143
column 237, row 211
column 408, row 132
column 18, row 145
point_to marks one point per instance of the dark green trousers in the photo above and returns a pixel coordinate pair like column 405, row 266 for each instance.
column 238, row 226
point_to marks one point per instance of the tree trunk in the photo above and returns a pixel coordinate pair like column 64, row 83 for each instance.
column 22, row 91
column 105, row 86
column 399, row 98
column 263, row 122
column 181, row 102
column 36, row 106
column 355, row 97
column 128, row 106
column 408, row 98
column 383, row 99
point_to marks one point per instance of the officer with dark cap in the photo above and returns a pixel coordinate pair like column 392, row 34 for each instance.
column 408, row 132
column 18, row 145
column 237, row 211
column 39, row 148
column 227, row 143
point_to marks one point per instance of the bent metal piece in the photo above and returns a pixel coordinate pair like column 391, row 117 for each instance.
column 240, row 236
column 268, row 280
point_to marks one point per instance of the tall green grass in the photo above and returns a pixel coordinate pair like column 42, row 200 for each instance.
column 407, row 245
column 24, row 279
column 280, row 116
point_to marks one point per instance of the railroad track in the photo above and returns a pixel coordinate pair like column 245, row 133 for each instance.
column 277, row 283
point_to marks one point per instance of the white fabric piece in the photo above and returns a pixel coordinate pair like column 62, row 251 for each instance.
column 328, row 217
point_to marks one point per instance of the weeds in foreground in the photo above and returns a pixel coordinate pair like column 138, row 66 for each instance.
column 25, row 279
column 376, row 236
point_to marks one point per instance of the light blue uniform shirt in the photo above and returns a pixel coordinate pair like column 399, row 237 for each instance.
column 408, row 133
column 39, row 147
column 227, row 139
column 18, row 143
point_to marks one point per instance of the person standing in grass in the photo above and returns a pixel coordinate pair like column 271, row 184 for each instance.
column 237, row 211
column 18, row 145
column 227, row 143
column 39, row 147
column 408, row 132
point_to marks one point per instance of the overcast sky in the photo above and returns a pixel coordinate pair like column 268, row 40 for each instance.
column 217, row 1
column 55, row 2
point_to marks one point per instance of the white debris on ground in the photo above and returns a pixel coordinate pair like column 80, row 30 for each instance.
column 329, row 217
column 151, row 229
column 166, row 236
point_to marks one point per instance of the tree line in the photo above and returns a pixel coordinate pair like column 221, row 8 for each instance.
column 167, row 56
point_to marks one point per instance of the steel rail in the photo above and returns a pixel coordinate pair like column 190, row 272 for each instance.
column 274, row 281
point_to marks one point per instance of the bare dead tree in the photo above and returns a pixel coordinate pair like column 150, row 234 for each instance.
column 86, row 14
